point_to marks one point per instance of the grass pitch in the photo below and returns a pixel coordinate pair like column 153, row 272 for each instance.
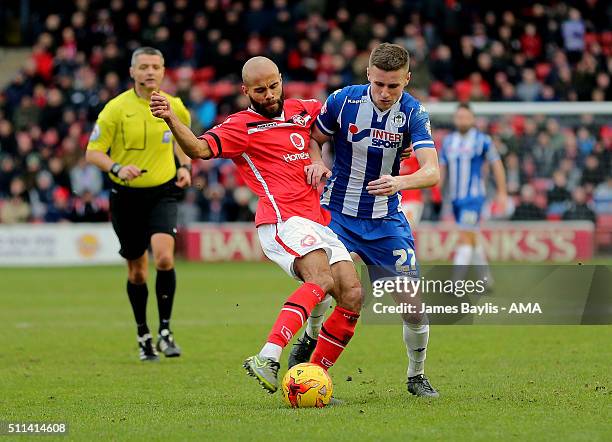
column 69, row 354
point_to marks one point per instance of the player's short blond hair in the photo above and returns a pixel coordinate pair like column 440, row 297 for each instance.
column 390, row 57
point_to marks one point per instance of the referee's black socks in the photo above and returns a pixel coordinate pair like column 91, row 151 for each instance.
column 165, row 286
column 138, row 294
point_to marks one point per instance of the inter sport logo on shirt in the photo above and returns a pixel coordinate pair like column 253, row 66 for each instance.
column 378, row 137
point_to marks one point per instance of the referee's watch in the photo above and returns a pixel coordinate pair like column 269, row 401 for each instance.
column 115, row 168
column 186, row 166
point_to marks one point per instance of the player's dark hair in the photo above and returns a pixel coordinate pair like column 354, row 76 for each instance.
column 390, row 57
column 146, row 50
column 466, row 106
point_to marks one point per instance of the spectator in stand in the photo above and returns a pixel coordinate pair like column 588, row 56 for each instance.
column 573, row 30
column 592, row 174
column 7, row 173
column 579, row 210
column 16, row 208
column 559, row 193
column 530, row 88
column 88, row 209
column 85, row 177
column 602, row 197
column 78, row 54
column 527, row 210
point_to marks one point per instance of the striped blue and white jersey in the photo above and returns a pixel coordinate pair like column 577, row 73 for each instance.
column 464, row 157
column 368, row 144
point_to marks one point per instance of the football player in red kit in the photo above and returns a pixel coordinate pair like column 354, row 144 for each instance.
column 269, row 142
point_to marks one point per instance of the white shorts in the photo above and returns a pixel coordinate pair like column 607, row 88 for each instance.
column 294, row 238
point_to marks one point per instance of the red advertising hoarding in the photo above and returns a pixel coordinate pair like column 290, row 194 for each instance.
column 503, row 241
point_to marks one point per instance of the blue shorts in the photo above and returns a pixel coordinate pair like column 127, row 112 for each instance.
column 385, row 243
column 467, row 212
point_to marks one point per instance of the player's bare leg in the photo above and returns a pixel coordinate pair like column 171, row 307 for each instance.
column 138, row 294
column 313, row 268
column 165, row 288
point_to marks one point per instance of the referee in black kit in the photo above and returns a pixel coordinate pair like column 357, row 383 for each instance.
column 138, row 152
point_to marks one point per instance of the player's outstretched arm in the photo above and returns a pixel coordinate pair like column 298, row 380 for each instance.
column 187, row 141
column 317, row 170
column 428, row 175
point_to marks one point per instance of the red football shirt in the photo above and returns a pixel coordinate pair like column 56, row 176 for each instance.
column 270, row 156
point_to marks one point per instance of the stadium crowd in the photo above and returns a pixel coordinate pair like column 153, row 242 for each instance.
column 460, row 51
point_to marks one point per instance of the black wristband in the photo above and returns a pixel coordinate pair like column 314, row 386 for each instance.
column 186, row 166
column 115, row 168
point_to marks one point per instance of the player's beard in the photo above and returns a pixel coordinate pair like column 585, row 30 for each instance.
column 261, row 109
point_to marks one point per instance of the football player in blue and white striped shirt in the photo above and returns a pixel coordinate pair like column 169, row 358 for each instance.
column 463, row 156
column 370, row 126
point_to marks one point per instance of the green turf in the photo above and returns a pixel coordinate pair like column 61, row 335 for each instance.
column 68, row 353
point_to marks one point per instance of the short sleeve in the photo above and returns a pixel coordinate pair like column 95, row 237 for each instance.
column 313, row 108
column 420, row 129
column 103, row 131
column 443, row 159
column 327, row 121
column 228, row 139
column 489, row 150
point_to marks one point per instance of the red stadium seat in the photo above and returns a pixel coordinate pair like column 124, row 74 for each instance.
column 590, row 38
column 542, row 71
column 203, row 74
column 296, row 89
column 222, row 89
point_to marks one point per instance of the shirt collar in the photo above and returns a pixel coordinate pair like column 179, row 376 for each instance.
column 279, row 118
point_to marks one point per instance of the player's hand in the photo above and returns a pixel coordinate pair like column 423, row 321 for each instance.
column 502, row 202
column 183, row 178
column 129, row 172
column 386, row 185
column 315, row 172
column 406, row 153
column 160, row 106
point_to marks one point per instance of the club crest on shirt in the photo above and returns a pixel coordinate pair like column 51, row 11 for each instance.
column 398, row 119
column 299, row 120
column 297, row 140
column 167, row 136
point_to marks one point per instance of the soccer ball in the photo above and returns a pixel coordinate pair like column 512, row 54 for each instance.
column 307, row 385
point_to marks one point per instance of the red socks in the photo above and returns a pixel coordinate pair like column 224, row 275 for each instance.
column 335, row 334
column 295, row 312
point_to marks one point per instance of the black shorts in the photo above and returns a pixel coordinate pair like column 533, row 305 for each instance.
column 138, row 213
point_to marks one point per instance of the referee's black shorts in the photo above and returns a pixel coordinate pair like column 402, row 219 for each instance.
column 138, row 213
